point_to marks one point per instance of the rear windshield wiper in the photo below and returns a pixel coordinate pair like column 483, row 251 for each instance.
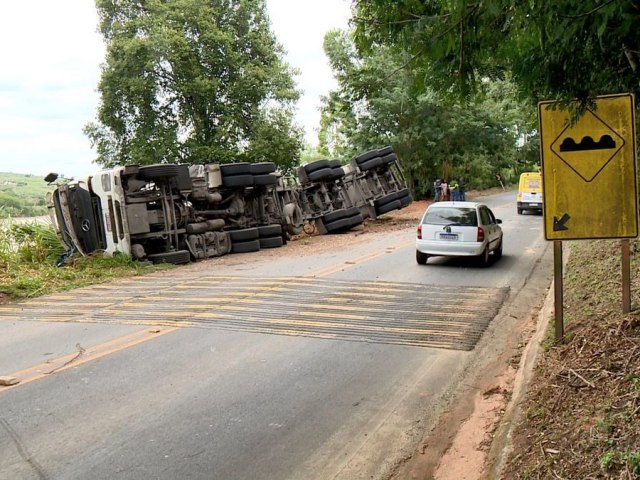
column 454, row 224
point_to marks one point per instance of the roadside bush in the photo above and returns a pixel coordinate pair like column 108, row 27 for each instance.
column 28, row 257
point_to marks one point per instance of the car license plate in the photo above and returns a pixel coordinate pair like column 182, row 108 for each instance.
column 448, row 236
column 534, row 204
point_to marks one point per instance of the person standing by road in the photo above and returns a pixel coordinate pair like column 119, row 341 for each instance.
column 437, row 188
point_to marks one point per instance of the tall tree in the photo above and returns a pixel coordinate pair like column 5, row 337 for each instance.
column 193, row 81
column 379, row 102
column 554, row 49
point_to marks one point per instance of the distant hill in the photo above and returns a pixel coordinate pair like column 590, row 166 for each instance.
column 22, row 195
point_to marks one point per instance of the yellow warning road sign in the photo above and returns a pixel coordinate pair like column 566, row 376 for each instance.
column 589, row 170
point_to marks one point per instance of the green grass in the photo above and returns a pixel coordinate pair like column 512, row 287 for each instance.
column 28, row 256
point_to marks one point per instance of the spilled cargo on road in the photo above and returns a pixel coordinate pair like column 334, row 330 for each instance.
column 181, row 213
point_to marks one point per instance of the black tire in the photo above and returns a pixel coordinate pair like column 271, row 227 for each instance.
column 272, row 242
column 366, row 156
column 262, row 168
column 368, row 165
column 395, row 205
column 155, row 172
column 239, row 168
column 421, row 258
column 388, row 198
column 389, row 158
column 273, row 230
column 385, row 151
column 266, row 179
column 403, row 193
column 317, row 165
column 337, row 172
column 237, row 181
column 483, row 258
column 338, row 225
column 519, row 211
column 335, row 215
column 178, row 257
column 351, row 211
column 406, row 200
column 335, row 164
column 245, row 247
column 356, row 219
column 320, row 174
column 497, row 253
column 243, row 235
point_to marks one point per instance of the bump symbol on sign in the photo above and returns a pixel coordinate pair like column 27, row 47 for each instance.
column 578, row 148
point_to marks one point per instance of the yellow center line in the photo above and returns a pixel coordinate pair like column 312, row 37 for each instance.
column 95, row 352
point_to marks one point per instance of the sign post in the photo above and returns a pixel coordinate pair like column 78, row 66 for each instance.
column 589, row 179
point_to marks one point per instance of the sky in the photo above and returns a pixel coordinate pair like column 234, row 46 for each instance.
column 50, row 57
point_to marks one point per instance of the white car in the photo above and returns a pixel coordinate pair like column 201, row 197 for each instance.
column 459, row 229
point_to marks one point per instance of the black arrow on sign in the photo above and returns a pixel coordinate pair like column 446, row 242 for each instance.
column 560, row 224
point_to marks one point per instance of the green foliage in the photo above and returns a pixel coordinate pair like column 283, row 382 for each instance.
column 569, row 49
column 28, row 255
column 379, row 102
column 22, row 195
column 192, row 81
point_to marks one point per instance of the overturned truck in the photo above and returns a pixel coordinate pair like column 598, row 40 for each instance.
column 181, row 213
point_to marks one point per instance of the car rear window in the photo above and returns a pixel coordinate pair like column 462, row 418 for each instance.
column 452, row 215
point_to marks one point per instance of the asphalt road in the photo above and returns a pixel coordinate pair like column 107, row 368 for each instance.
column 275, row 366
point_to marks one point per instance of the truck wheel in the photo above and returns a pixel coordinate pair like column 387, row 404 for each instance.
column 245, row 247
column 385, row 151
column 317, row 165
column 406, row 200
column 386, row 208
column 237, row 181
column 320, row 174
column 389, row 158
column 366, row 156
column 335, row 215
column 272, row 242
column 403, row 193
column 338, row 225
column 335, row 164
column 519, row 211
column 388, row 198
column 239, row 168
column 337, row 172
column 155, row 172
column 262, row 168
column 243, row 234
column 356, row 219
column 351, row 211
column 368, row 165
column 273, row 230
column 265, row 179
column 178, row 257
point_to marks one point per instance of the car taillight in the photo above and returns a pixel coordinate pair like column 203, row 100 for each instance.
column 420, row 232
column 480, row 234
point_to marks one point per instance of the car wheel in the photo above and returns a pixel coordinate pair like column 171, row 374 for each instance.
column 421, row 258
column 498, row 251
column 484, row 257
column 519, row 211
